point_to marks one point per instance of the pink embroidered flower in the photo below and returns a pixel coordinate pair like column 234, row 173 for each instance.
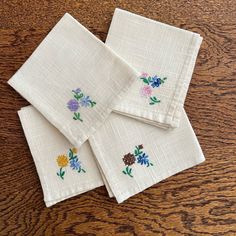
column 146, row 91
column 144, row 74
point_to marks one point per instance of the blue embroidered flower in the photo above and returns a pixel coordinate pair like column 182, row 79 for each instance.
column 155, row 81
column 75, row 164
column 73, row 105
column 78, row 90
column 85, row 101
column 143, row 159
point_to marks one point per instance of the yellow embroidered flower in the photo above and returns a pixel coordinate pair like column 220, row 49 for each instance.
column 74, row 150
column 62, row 160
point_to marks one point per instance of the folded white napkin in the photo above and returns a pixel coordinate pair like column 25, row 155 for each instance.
column 166, row 55
column 133, row 155
column 64, row 171
column 73, row 79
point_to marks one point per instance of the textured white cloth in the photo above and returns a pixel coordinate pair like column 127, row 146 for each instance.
column 162, row 153
column 68, row 66
column 166, row 54
column 50, row 149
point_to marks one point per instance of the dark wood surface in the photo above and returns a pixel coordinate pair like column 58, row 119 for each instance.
column 199, row 201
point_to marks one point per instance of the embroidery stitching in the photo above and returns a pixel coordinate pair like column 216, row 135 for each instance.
column 150, row 84
column 63, row 161
column 129, row 159
column 79, row 100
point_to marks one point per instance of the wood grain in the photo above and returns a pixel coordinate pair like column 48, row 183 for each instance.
column 199, row 201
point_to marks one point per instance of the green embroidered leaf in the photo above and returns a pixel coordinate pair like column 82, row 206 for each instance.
column 148, row 164
column 135, row 152
column 154, row 100
column 149, row 78
column 92, row 103
column 145, row 81
column 130, row 171
column 124, row 172
column 58, row 174
column 151, row 164
column 70, row 154
column 83, row 170
column 77, row 116
column 62, row 173
column 164, row 78
column 80, row 95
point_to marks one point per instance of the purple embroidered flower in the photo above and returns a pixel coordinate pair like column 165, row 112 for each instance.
column 85, row 101
column 146, row 91
column 73, row 105
column 155, row 81
column 78, row 90
column 75, row 164
column 143, row 159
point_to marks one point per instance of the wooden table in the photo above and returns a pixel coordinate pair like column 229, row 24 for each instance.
column 198, row 201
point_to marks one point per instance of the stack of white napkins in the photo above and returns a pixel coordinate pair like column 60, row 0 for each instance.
column 75, row 81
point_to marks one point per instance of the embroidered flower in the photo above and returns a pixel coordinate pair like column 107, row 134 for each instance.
column 85, row 101
column 75, row 164
column 146, row 91
column 150, row 82
column 143, row 159
column 155, row 81
column 62, row 160
column 73, row 105
column 79, row 100
column 140, row 146
column 144, row 74
column 129, row 159
column 74, row 150
column 78, row 90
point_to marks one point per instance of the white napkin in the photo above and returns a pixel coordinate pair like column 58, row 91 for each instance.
column 64, row 171
column 134, row 156
column 166, row 55
column 73, row 79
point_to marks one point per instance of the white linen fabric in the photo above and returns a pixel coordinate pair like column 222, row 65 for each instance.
column 73, row 79
column 64, row 171
column 166, row 55
column 134, row 155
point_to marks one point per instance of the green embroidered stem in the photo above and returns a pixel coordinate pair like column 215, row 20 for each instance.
column 70, row 154
column 154, row 100
column 77, row 116
column 163, row 80
column 146, row 80
column 128, row 171
column 81, row 169
column 137, row 150
column 78, row 96
column 92, row 103
column 149, row 164
column 61, row 173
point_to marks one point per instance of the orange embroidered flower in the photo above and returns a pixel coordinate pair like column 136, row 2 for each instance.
column 74, row 150
column 62, row 160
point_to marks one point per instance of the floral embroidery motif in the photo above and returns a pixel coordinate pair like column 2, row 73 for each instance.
column 150, row 83
column 64, row 160
column 79, row 100
column 138, row 156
